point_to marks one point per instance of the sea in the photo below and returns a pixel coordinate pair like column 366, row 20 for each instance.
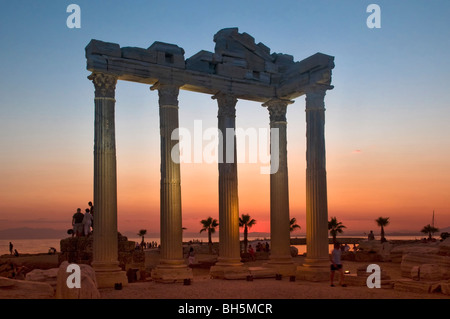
column 36, row 246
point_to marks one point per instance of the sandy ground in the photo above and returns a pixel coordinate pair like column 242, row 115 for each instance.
column 203, row 287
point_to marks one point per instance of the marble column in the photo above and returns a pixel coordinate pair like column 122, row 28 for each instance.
column 280, row 255
column 316, row 186
column 105, row 245
column 172, row 266
column 229, row 242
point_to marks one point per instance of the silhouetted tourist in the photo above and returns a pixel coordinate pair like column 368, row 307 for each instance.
column 371, row 236
column 87, row 222
column 77, row 222
column 191, row 256
column 91, row 210
column 336, row 264
column 267, row 247
column 251, row 252
column 11, row 248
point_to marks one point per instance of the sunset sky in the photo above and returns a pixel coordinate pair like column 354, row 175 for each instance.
column 387, row 119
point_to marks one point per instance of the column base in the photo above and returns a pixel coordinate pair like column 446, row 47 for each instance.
column 108, row 275
column 283, row 265
column 172, row 274
column 228, row 268
column 314, row 270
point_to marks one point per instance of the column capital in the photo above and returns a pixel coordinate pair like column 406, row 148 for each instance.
column 168, row 93
column 277, row 109
column 315, row 96
column 227, row 104
column 105, row 84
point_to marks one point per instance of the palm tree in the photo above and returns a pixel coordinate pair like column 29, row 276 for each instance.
column 142, row 233
column 382, row 222
column 293, row 224
column 247, row 222
column 335, row 227
column 209, row 225
column 430, row 230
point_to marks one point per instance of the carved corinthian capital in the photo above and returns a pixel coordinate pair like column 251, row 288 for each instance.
column 277, row 109
column 105, row 84
column 168, row 93
column 315, row 97
column 226, row 103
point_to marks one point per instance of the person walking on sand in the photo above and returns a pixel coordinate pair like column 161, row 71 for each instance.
column 11, row 248
column 87, row 222
column 336, row 264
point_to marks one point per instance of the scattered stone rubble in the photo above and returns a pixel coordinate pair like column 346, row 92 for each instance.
column 424, row 266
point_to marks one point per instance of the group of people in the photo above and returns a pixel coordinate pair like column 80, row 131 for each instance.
column 145, row 245
column 262, row 247
column 82, row 224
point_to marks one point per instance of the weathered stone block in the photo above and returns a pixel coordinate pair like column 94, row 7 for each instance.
column 245, row 39
column 430, row 272
column 444, row 247
column 284, row 61
column 235, row 62
column 410, row 260
column 85, row 244
column 264, row 48
column 367, row 256
column 230, row 71
column 202, row 61
column 445, row 288
column 127, row 246
column 96, row 47
column 169, row 59
column 139, row 54
column 230, row 53
column 68, row 244
column 258, row 76
column 166, row 47
column 412, row 286
column 362, row 272
column 24, row 289
column 415, row 273
column 255, row 63
column 270, row 67
column 96, row 62
column 88, row 286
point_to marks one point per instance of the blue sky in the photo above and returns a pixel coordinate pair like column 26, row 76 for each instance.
column 390, row 100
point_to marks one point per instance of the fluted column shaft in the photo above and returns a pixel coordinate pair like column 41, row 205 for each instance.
column 279, row 185
column 170, row 191
column 316, row 180
column 105, row 250
column 229, row 244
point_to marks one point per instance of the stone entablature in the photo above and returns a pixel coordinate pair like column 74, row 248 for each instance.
column 238, row 66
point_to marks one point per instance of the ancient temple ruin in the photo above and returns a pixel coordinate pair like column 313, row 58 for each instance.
column 239, row 68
